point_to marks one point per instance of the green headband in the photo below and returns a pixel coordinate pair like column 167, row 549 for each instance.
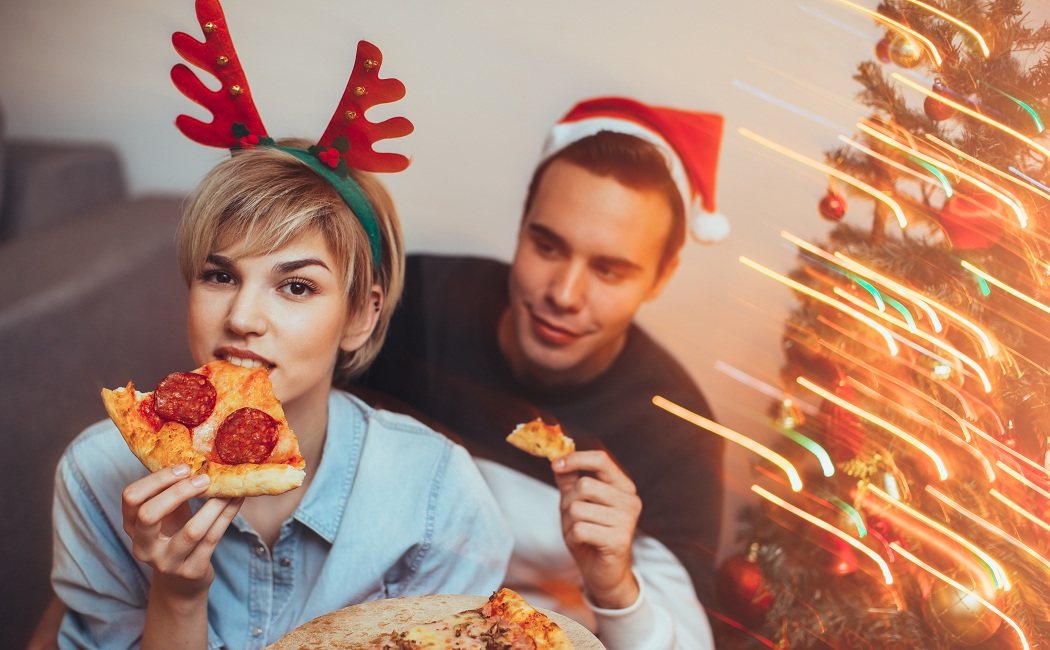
column 351, row 193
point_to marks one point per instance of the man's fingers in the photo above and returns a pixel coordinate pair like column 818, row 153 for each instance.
column 597, row 463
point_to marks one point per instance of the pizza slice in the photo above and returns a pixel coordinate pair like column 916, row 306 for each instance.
column 541, row 439
column 504, row 622
column 221, row 420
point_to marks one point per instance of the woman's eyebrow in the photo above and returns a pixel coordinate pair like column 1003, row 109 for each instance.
column 295, row 265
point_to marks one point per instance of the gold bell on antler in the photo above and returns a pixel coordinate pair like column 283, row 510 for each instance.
column 208, row 27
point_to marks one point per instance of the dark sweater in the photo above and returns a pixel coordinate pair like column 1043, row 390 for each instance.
column 442, row 363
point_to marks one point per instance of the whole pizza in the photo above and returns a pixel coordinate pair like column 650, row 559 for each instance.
column 221, row 420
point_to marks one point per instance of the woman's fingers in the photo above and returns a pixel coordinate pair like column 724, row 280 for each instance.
column 199, row 559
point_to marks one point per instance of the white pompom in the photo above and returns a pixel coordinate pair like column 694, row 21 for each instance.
column 709, row 227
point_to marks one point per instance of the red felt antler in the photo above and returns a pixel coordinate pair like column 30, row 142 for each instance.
column 365, row 90
column 232, row 103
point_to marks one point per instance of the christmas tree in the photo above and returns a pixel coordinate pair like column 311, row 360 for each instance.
column 917, row 363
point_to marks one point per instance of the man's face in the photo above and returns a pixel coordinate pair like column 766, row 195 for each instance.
column 587, row 258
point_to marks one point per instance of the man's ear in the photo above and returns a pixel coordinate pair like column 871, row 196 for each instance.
column 665, row 276
column 360, row 327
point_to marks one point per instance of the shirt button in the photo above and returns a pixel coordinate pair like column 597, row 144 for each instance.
column 286, row 561
column 260, row 549
column 256, row 631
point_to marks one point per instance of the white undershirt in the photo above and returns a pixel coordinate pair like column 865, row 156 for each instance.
column 666, row 615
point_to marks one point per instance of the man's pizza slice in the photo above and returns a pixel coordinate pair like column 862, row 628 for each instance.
column 221, row 420
column 541, row 439
column 504, row 622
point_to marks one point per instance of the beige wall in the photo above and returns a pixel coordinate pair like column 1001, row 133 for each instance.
column 485, row 78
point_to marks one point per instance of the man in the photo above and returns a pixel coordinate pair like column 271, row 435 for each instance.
column 632, row 517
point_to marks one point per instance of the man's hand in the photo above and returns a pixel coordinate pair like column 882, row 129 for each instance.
column 599, row 511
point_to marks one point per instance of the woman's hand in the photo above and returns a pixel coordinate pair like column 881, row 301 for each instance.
column 164, row 534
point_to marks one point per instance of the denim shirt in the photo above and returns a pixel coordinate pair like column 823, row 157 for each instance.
column 393, row 510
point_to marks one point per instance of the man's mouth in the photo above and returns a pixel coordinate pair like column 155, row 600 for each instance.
column 551, row 333
column 243, row 358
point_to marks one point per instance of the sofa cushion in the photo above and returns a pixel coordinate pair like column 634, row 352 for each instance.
column 49, row 182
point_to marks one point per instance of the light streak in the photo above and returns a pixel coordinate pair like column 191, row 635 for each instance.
column 732, row 436
column 855, row 517
column 989, row 471
column 958, row 23
column 1018, row 172
column 1028, row 109
column 942, row 470
column 1016, row 507
column 1018, row 210
column 933, row 340
column 904, row 30
column 980, row 163
column 912, row 295
column 841, row 306
column 831, row 171
column 896, row 304
column 813, row 447
column 876, row 295
column 990, row 348
column 972, row 113
column 898, row 166
column 948, row 191
column 1020, row 457
column 762, row 387
column 1005, row 287
column 823, row 525
column 1024, row 480
column 916, row 561
column 1001, row 579
column 987, row 525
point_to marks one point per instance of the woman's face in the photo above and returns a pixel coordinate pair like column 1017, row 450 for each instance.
column 286, row 311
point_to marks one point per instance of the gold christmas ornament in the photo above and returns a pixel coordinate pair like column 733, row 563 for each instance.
column 941, row 371
column 789, row 415
column 905, row 52
column 959, row 615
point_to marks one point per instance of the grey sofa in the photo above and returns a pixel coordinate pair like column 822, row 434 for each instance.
column 90, row 298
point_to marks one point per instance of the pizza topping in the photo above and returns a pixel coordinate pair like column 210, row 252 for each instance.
column 541, row 439
column 247, row 436
column 149, row 413
column 185, row 397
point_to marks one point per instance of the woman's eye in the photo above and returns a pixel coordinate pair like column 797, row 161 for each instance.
column 299, row 287
column 218, row 277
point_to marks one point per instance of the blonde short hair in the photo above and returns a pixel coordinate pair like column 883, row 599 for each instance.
column 265, row 198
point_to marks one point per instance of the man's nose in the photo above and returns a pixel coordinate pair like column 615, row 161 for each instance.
column 568, row 287
column 247, row 314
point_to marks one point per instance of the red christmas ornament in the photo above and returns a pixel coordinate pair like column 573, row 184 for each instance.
column 882, row 49
column 742, row 588
column 833, row 206
column 972, row 221
column 842, row 560
column 937, row 110
column 843, row 434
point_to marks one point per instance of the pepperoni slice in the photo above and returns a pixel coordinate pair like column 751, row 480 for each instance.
column 184, row 397
column 247, row 436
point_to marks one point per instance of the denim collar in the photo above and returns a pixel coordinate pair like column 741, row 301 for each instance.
column 324, row 503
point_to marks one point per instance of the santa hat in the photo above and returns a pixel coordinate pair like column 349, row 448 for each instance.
column 689, row 141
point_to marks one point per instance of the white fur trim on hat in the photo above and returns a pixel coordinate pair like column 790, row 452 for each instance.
column 709, row 227
column 565, row 133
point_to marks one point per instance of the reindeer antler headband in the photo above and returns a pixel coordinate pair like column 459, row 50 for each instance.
column 346, row 144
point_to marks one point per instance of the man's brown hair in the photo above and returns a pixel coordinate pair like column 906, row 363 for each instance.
column 632, row 162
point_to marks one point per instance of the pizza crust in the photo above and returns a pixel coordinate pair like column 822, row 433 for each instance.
column 175, row 443
column 541, row 439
